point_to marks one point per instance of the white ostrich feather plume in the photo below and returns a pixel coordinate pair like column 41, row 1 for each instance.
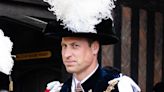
column 81, row 15
column 6, row 61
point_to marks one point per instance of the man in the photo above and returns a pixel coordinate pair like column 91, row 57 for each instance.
column 4, row 82
column 82, row 32
column 159, row 87
column 80, row 58
column 80, row 53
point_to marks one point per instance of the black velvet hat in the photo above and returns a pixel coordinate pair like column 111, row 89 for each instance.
column 105, row 32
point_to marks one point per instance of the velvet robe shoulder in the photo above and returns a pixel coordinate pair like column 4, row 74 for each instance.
column 98, row 82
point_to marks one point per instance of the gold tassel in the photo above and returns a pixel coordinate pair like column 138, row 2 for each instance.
column 11, row 84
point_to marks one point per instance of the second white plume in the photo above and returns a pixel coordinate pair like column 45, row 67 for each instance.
column 6, row 61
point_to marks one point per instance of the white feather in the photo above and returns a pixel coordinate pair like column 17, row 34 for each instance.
column 81, row 15
column 126, row 84
column 6, row 61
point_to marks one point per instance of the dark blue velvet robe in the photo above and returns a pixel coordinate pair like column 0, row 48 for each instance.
column 4, row 81
column 98, row 82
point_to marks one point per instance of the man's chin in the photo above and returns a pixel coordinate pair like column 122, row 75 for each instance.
column 70, row 70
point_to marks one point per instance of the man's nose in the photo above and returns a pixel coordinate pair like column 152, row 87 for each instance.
column 67, row 53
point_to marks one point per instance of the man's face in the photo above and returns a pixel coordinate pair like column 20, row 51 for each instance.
column 78, row 56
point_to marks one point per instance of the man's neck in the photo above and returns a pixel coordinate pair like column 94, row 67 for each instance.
column 84, row 76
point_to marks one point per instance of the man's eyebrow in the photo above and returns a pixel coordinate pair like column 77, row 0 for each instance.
column 62, row 44
column 71, row 43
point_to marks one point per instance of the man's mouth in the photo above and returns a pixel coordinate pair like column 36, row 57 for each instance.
column 68, row 63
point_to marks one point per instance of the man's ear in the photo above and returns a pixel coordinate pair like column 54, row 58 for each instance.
column 95, row 47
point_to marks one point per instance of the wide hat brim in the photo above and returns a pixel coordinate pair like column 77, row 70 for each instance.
column 105, row 32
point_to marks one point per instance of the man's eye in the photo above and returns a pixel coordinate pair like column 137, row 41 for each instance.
column 63, row 46
column 75, row 45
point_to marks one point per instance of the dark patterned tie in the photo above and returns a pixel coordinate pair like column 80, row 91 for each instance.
column 78, row 88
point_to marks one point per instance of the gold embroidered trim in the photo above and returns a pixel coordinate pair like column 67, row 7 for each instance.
column 112, row 83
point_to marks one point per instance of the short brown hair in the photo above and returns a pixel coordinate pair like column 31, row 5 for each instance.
column 90, row 41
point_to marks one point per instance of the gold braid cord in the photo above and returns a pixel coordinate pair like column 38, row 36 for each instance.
column 112, row 83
